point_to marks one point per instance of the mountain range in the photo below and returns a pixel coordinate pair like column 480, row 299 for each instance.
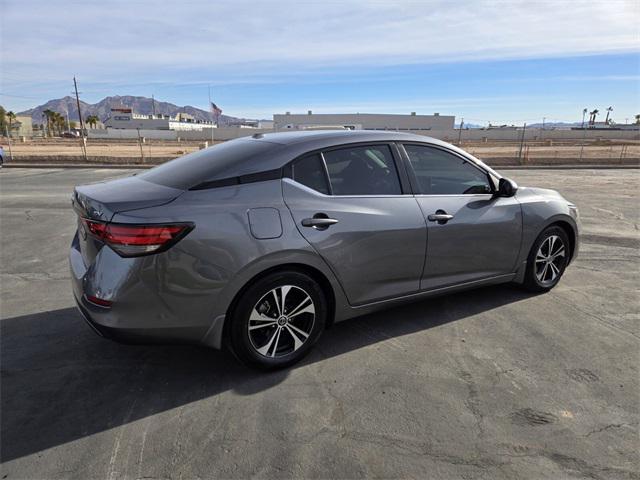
column 102, row 109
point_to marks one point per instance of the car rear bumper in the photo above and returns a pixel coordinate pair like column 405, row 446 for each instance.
column 138, row 312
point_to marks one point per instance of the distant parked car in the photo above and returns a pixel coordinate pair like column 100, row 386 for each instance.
column 259, row 244
column 70, row 134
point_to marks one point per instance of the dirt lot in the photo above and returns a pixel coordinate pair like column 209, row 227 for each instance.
column 501, row 153
column 493, row 383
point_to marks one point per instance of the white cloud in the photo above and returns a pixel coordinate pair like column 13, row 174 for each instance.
column 139, row 35
column 45, row 42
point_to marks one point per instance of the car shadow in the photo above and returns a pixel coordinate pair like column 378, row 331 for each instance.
column 61, row 382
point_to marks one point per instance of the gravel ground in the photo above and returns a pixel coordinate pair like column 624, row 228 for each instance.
column 493, row 383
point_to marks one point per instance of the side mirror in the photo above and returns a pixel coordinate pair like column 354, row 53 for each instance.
column 507, row 187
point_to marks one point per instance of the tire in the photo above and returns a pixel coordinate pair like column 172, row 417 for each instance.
column 544, row 271
column 262, row 336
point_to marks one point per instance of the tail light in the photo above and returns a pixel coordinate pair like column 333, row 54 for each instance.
column 137, row 240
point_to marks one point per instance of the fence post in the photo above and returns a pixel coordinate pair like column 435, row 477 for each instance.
column 140, row 143
column 524, row 128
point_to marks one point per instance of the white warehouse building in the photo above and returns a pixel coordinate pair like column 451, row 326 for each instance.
column 125, row 118
column 363, row 121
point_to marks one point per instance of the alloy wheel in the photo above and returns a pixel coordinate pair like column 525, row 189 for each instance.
column 281, row 321
column 550, row 259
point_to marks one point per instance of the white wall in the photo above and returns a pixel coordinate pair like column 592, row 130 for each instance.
column 222, row 133
column 112, row 133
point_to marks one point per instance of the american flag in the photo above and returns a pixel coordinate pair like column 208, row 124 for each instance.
column 215, row 109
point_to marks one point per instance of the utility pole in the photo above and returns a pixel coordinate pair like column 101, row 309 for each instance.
column 543, row 120
column 153, row 105
column 83, row 145
column 524, row 128
column 460, row 132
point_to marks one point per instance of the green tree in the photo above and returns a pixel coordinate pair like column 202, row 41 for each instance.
column 92, row 121
column 58, row 122
column 48, row 114
column 3, row 120
column 11, row 117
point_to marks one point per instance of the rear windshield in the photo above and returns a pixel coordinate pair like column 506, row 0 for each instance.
column 220, row 161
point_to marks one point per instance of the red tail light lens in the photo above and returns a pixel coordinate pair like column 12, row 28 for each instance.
column 101, row 302
column 136, row 240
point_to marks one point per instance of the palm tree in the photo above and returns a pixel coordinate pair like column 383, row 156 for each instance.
column 11, row 116
column 92, row 121
column 48, row 114
column 58, row 122
column 609, row 110
column 592, row 116
column 638, row 119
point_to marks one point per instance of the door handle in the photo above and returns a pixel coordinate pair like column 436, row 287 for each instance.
column 440, row 216
column 320, row 221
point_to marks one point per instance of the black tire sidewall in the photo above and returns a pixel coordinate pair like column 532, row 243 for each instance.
column 531, row 281
column 239, row 337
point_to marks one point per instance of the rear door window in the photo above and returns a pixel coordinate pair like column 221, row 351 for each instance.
column 309, row 171
column 362, row 170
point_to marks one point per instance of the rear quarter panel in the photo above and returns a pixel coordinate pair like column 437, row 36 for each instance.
column 200, row 276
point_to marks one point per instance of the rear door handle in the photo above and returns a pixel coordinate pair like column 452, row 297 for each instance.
column 319, row 222
column 440, row 216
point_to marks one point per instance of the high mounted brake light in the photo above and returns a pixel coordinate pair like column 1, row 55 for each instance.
column 137, row 240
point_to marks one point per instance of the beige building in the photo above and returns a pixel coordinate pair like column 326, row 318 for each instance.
column 363, row 121
column 21, row 126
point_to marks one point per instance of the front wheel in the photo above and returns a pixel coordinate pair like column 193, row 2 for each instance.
column 547, row 260
column 277, row 320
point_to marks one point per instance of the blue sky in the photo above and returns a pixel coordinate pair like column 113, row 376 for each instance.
column 497, row 61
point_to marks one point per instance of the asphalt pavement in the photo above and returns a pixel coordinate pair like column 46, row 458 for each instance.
column 493, row 383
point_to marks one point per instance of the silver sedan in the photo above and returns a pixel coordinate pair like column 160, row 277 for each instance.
column 259, row 244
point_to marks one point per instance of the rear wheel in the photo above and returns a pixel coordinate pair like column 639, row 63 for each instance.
column 547, row 260
column 277, row 320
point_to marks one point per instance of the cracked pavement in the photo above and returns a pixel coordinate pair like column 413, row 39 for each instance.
column 493, row 383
